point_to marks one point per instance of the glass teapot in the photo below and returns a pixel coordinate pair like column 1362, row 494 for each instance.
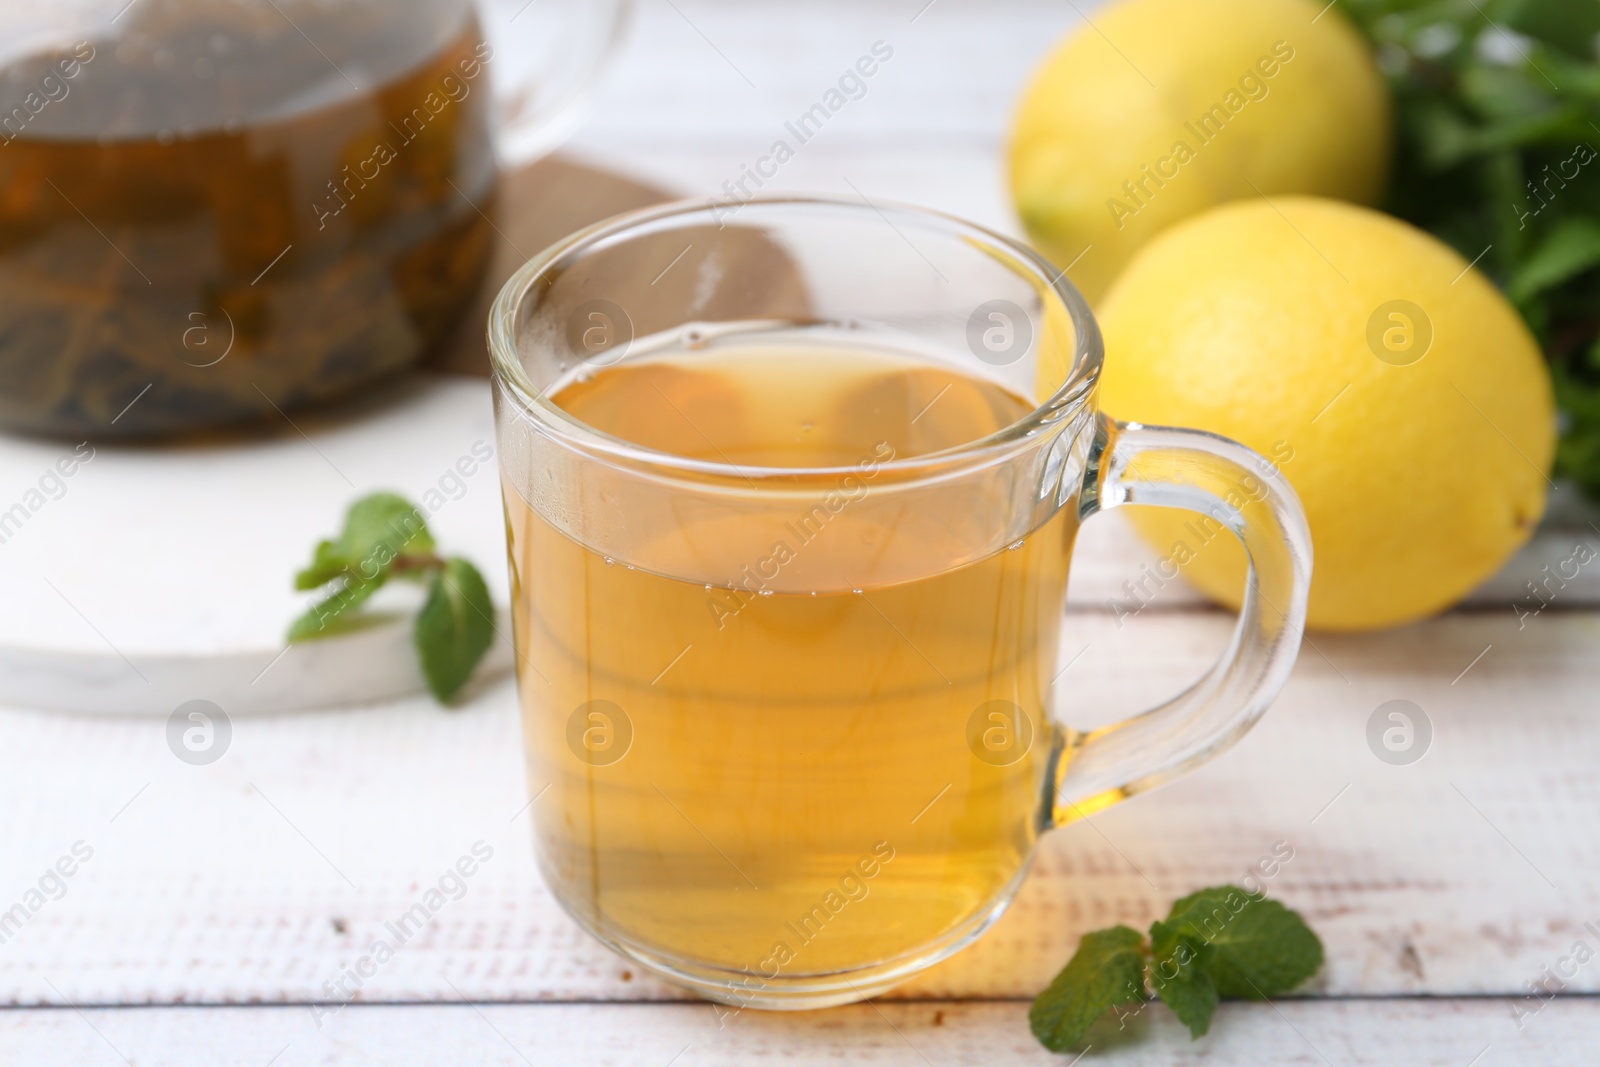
column 214, row 209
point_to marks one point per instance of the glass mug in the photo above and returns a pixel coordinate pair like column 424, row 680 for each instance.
column 791, row 489
column 216, row 210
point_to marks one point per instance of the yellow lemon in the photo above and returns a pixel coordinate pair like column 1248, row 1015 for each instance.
column 1392, row 384
column 1156, row 110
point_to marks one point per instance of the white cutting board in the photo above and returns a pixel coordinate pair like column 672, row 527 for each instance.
column 154, row 575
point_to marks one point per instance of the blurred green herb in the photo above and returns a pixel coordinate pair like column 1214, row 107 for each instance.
column 1222, row 943
column 1498, row 107
column 385, row 537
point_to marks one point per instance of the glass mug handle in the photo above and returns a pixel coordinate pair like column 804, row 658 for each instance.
column 1227, row 482
column 548, row 57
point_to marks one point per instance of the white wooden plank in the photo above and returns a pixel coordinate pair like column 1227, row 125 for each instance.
column 1405, row 1033
column 266, row 874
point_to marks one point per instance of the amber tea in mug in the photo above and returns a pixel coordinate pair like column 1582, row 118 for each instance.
column 788, row 588
column 821, row 710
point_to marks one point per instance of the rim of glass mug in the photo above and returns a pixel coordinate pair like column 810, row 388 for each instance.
column 1048, row 281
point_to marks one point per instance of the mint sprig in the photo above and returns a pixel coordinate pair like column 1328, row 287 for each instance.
column 1217, row 944
column 385, row 536
column 1107, row 970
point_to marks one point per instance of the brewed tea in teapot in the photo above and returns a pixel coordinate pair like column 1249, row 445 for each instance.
column 214, row 209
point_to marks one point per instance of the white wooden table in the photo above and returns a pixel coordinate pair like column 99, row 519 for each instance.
column 221, row 903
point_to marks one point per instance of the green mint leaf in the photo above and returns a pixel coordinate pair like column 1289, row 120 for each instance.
column 326, row 565
column 377, row 530
column 1249, row 947
column 334, row 614
column 455, row 627
column 1562, row 25
column 1107, row 969
column 1179, row 982
column 382, row 525
column 1572, row 248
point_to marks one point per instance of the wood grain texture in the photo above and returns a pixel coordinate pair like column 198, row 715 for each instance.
column 1417, row 1033
column 267, row 874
